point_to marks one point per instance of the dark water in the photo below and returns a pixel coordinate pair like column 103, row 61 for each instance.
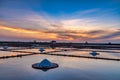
column 69, row 69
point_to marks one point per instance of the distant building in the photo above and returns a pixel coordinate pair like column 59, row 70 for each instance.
column 53, row 44
column 86, row 42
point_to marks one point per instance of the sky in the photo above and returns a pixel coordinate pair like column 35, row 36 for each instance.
column 60, row 20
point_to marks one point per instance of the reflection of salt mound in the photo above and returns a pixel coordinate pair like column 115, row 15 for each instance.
column 94, row 53
column 45, row 64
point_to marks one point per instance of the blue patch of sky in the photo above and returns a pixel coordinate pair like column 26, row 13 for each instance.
column 59, row 8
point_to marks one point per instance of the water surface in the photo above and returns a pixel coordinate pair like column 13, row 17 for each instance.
column 69, row 68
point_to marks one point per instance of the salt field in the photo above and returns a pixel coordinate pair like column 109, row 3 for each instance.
column 59, row 39
column 70, row 68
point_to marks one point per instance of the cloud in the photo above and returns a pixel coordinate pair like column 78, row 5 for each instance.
column 41, row 26
column 25, row 33
column 111, row 35
column 88, row 11
column 62, row 35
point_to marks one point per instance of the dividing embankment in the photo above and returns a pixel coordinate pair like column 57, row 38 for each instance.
column 55, row 54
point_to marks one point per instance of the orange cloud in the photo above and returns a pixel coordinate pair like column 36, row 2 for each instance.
column 18, row 30
column 63, row 34
column 21, row 32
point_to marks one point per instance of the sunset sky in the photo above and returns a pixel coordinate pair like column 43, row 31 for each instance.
column 60, row 20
